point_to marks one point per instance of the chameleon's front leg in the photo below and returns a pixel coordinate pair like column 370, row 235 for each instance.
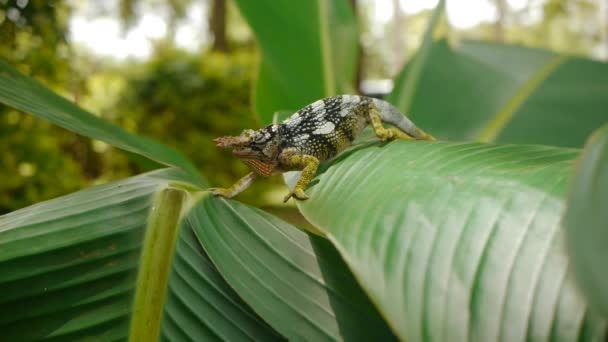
column 308, row 164
column 385, row 133
column 236, row 188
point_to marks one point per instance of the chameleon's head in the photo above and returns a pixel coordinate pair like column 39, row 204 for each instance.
column 258, row 145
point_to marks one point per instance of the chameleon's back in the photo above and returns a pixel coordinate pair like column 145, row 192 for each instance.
column 325, row 127
column 312, row 135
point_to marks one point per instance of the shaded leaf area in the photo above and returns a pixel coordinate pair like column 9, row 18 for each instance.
column 295, row 282
column 201, row 306
column 68, row 270
column 457, row 241
column 320, row 63
column 586, row 220
column 508, row 94
column 67, row 266
column 26, row 94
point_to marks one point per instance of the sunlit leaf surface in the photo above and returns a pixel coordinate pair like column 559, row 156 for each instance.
column 457, row 241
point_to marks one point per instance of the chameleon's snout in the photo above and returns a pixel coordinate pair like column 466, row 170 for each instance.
column 229, row 142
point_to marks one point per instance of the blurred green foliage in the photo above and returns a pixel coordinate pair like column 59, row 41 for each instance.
column 33, row 35
column 182, row 99
column 186, row 100
column 39, row 160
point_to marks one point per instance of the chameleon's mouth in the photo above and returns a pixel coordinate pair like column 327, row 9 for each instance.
column 243, row 153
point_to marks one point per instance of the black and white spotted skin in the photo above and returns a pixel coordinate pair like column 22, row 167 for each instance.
column 325, row 127
column 313, row 134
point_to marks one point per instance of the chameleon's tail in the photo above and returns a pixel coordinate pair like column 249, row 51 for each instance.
column 392, row 115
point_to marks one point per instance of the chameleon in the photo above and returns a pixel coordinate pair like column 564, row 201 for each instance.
column 311, row 136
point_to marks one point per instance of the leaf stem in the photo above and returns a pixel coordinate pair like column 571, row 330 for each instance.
column 155, row 265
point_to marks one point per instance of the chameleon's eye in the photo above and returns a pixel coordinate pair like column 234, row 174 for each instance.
column 248, row 133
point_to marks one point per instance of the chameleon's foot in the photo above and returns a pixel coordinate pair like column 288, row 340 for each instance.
column 397, row 134
column 296, row 193
column 388, row 134
column 221, row 192
column 235, row 189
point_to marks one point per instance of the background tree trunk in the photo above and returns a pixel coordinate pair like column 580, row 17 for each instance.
column 359, row 66
column 217, row 24
column 399, row 37
column 500, row 18
column 604, row 23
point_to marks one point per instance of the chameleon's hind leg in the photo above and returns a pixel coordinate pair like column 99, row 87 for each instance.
column 308, row 164
column 386, row 133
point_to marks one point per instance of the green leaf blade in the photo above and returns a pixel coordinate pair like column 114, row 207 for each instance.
column 274, row 268
column 321, row 63
column 586, row 220
column 565, row 109
column 27, row 95
column 506, row 94
column 201, row 305
column 68, row 269
column 457, row 241
column 66, row 264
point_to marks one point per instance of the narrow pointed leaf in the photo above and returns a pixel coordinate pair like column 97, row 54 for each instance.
column 308, row 52
column 457, row 241
column 586, row 220
column 296, row 282
column 26, row 94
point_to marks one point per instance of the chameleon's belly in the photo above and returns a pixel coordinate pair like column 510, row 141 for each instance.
column 346, row 132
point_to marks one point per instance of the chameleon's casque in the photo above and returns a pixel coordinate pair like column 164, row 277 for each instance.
column 313, row 134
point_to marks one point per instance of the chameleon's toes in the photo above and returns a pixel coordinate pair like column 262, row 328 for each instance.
column 386, row 135
column 297, row 194
column 220, row 192
column 301, row 195
column 397, row 134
